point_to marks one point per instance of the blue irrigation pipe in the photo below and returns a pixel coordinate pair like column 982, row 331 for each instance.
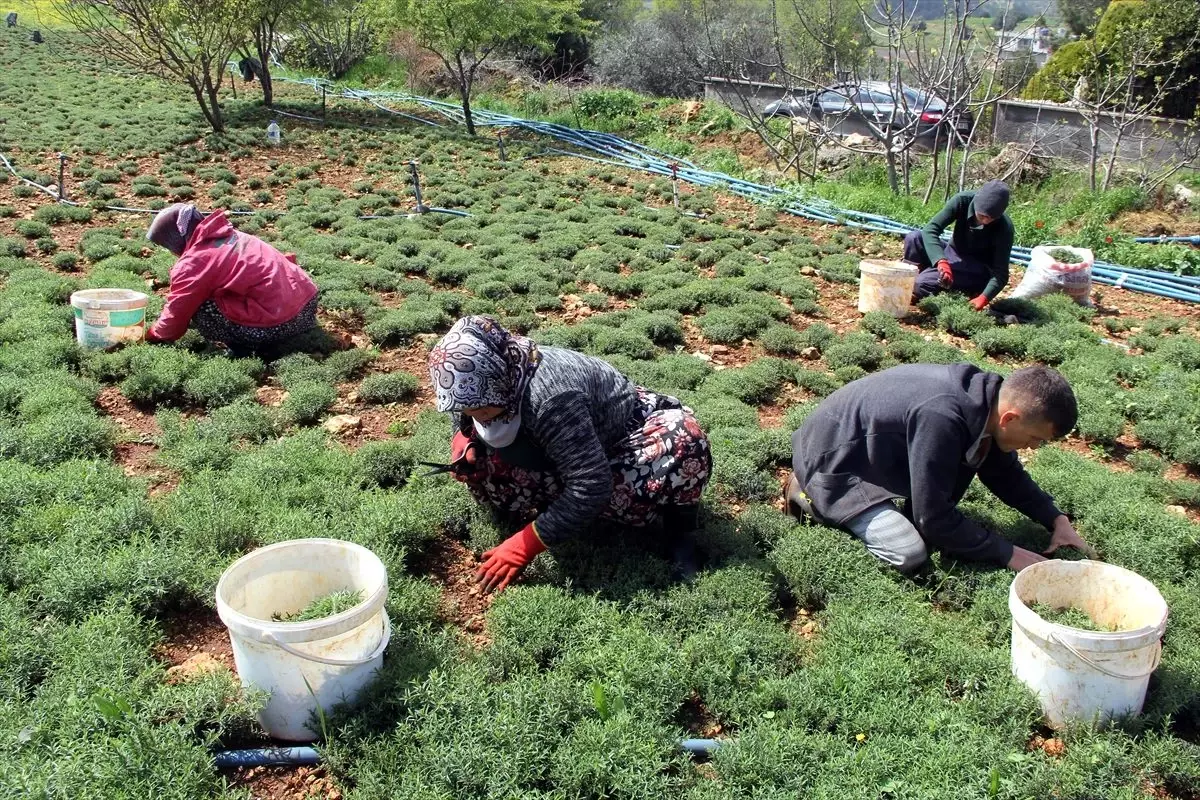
column 1193, row 240
column 702, row 747
column 266, row 756
column 294, row 756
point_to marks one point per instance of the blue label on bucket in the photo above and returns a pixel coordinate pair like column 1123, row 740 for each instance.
column 122, row 319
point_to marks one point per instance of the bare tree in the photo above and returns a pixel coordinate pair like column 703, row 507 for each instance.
column 186, row 40
column 331, row 35
column 1134, row 75
column 964, row 74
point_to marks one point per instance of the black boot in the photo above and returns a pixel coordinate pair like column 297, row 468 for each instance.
column 679, row 529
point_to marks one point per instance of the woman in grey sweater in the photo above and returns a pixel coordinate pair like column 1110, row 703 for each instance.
column 561, row 439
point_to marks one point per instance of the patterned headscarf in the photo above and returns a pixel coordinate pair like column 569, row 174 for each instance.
column 173, row 225
column 478, row 363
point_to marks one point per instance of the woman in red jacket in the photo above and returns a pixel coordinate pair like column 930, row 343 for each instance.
column 232, row 287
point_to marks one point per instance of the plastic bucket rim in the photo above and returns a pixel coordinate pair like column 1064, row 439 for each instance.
column 134, row 299
column 253, row 628
column 882, row 267
column 1034, row 626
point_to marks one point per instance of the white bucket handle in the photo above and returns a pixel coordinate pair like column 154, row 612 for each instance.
column 1157, row 660
column 337, row 662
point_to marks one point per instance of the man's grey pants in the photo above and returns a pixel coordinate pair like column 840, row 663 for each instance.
column 887, row 533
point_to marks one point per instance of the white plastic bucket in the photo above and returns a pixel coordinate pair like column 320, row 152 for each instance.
column 886, row 286
column 1086, row 676
column 303, row 664
column 106, row 317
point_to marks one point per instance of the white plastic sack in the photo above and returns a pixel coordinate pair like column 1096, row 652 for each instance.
column 1045, row 276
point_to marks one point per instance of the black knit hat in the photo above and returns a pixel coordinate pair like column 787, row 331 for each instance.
column 992, row 199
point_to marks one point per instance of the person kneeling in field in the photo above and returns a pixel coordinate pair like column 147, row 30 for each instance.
column 975, row 263
column 560, row 440
column 232, row 287
column 921, row 433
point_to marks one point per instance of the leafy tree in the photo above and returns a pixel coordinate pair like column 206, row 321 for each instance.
column 465, row 33
column 1081, row 16
column 187, row 40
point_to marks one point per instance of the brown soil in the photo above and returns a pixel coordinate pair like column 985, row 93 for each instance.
column 452, row 565
column 1047, row 742
column 285, row 783
column 803, row 625
column 694, row 717
column 136, row 453
column 191, row 632
column 1157, row 222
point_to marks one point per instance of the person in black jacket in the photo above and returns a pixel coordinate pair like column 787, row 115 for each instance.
column 975, row 262
column 921, row 433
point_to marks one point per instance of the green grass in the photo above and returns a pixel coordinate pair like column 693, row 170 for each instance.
column 116, row 520
column 1070, row 616
column 324, row 606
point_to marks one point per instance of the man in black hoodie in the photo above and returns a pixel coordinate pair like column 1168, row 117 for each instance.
column 921, row 433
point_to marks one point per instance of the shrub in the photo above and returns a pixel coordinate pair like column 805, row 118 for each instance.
column 345, row 364
column 955, row 315
column 157, row 374
column 1010, row 341
column 14, row 248
column 781, row 339
column 731, row 325
column 1046, row 349
column 220, row 381
column 400, row 326
column 55, row 438
column 385, row 463
column 618, row 341
column 306, row 402
column 818, row 335
column 32, row 229
column 56, row 214
column 840, row 268
column 882, row 324
column 818, row 383
column 246, row 420
column 757, row 382
column 857, row 349
column 388, row 387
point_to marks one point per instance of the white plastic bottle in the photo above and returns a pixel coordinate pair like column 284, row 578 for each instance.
column 273, row 133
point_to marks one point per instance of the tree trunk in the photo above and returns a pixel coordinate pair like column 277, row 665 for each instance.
column 216, row 118
column 1093, row 153
column 464, row 90
column 933, row 168
column 465, row 78
column 893, row 176
column 1111, row 164
column 262, row 42
column 198, row 90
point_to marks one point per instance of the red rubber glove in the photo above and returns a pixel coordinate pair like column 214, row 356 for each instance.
column 466, row 448
column 502, row 564
column 943, row 268
column 979, row 302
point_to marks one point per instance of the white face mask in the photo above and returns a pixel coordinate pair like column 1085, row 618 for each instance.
column 499, row 434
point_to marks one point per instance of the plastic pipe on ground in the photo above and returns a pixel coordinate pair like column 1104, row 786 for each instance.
column 264, row 756
column 701, row 747
column 267, row 756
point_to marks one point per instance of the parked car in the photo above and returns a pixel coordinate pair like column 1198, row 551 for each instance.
column 861, row 108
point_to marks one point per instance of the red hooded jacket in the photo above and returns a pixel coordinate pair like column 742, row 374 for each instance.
column 251, row 282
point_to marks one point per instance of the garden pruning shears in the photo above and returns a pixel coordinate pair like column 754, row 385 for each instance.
column 455, row 466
